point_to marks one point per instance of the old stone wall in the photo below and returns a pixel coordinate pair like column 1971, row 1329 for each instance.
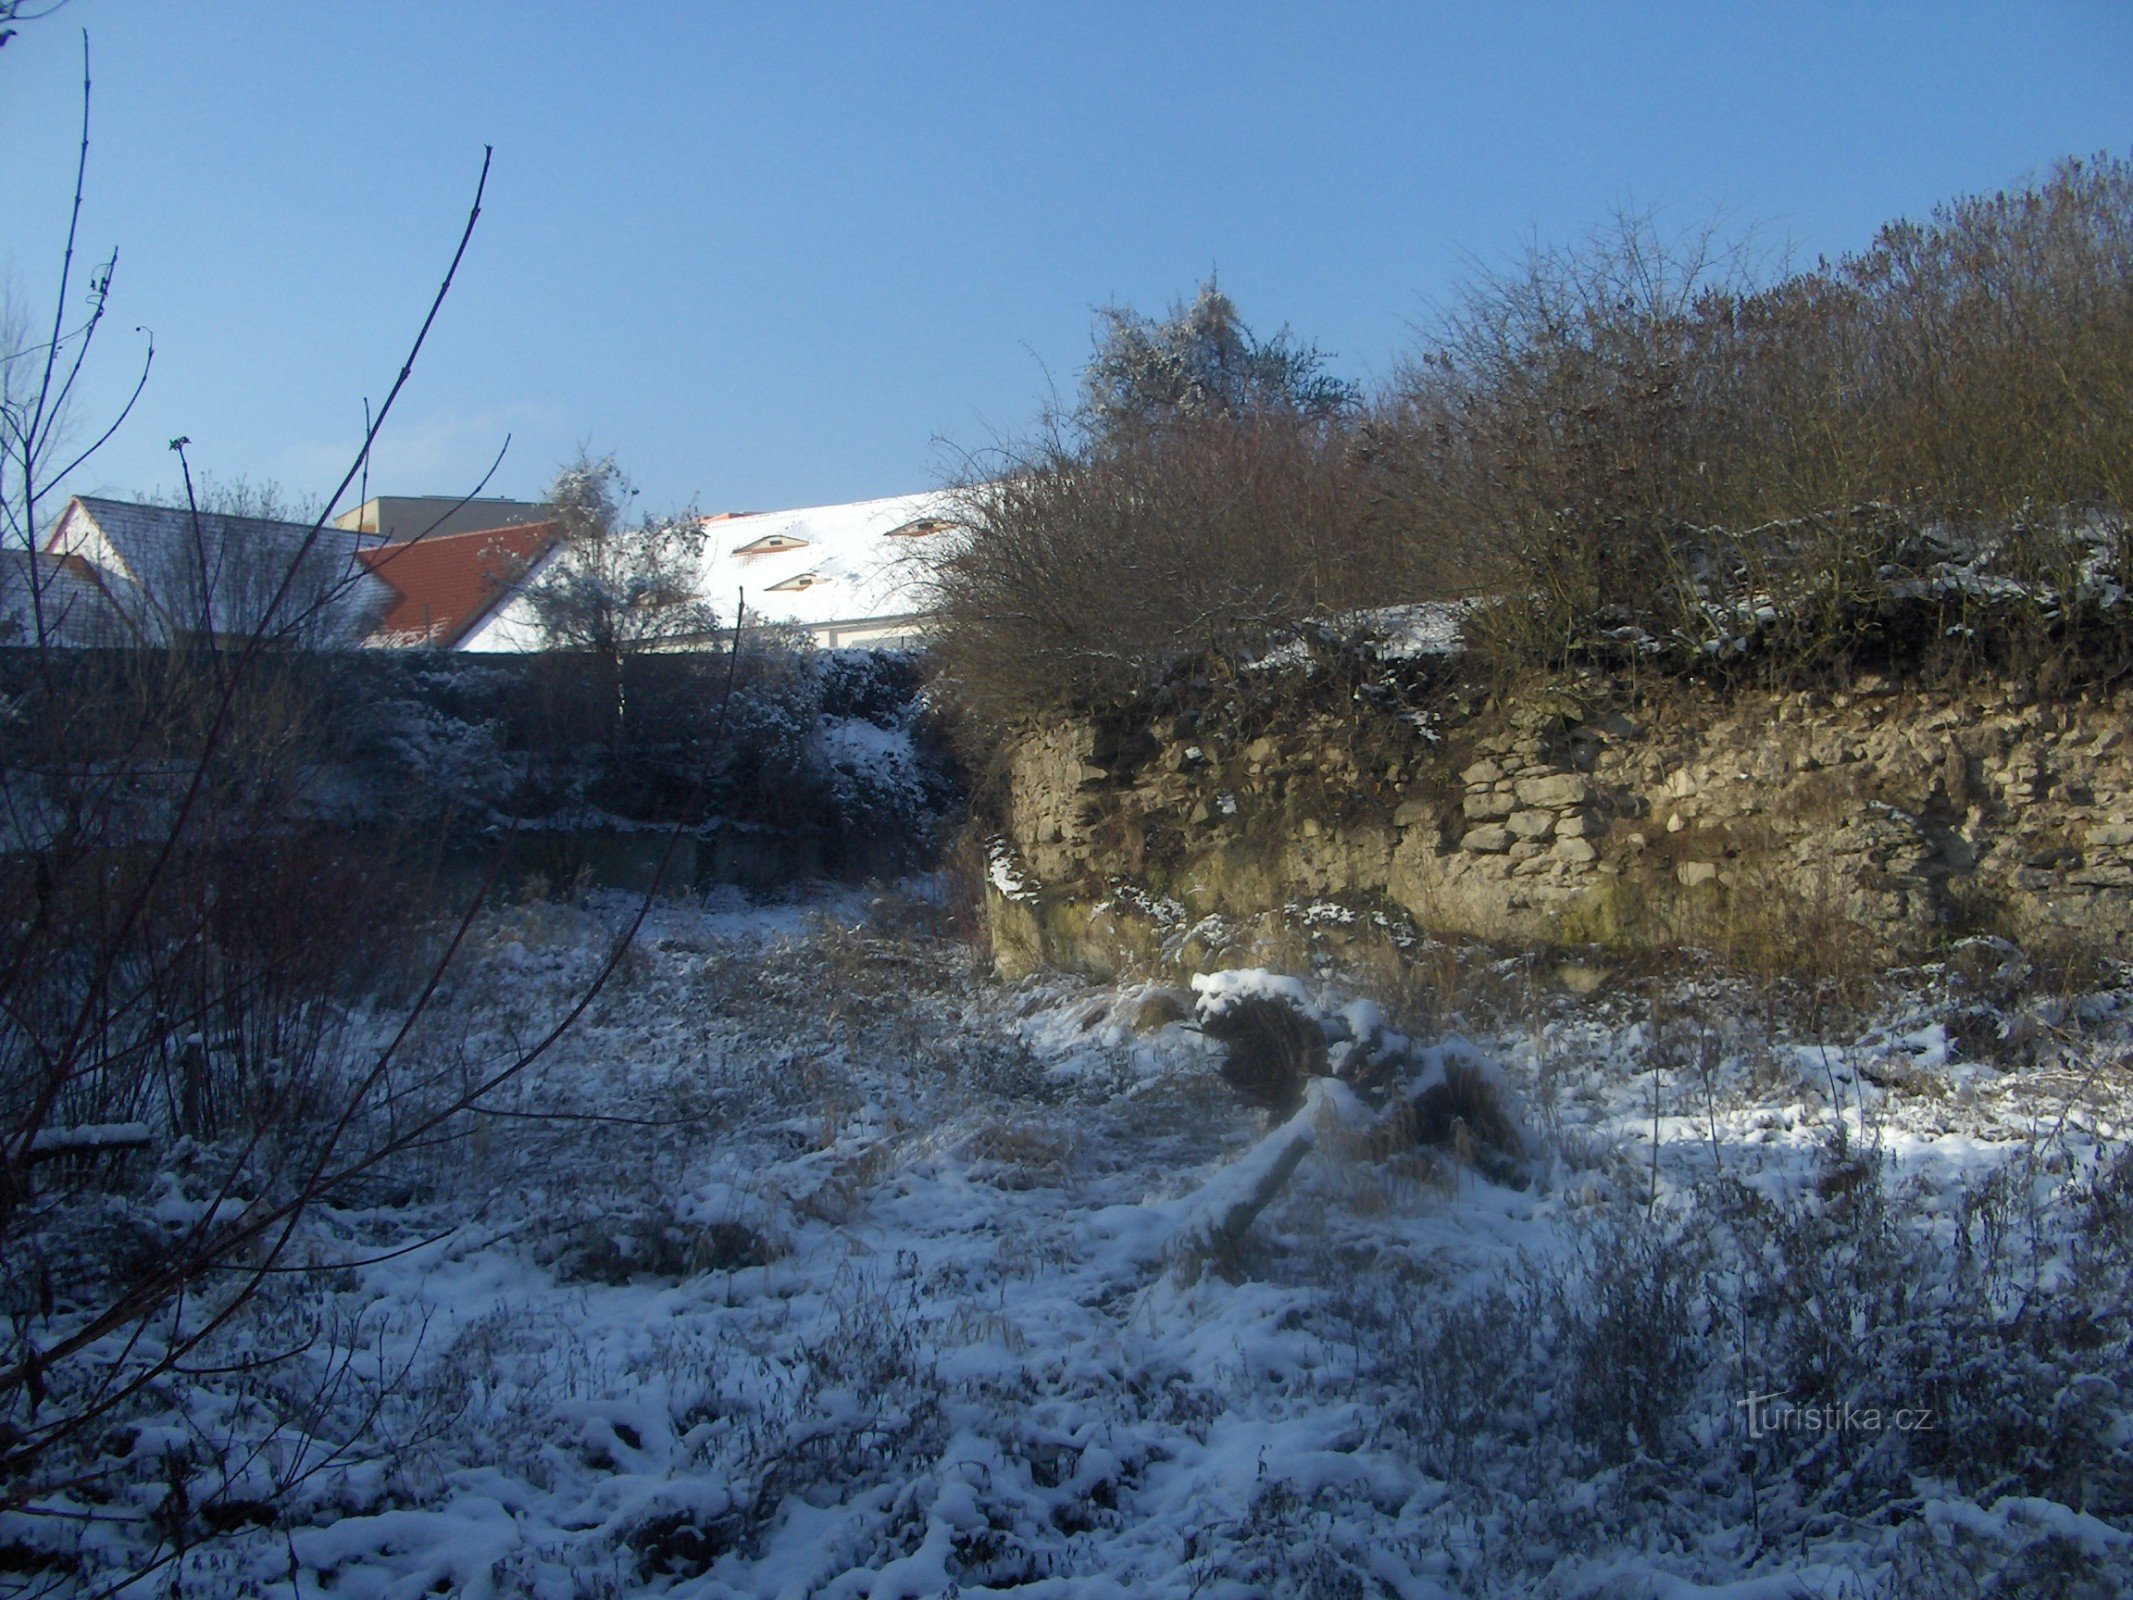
column 1878, row 822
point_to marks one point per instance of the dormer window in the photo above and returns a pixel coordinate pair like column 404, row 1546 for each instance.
column 920, row 527
column 770, row 544
column 805, row 580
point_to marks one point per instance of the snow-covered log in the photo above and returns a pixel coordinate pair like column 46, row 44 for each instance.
column 89, row 1139
column 1219, row 1216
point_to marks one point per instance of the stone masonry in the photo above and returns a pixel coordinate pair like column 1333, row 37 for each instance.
column 1888, row 818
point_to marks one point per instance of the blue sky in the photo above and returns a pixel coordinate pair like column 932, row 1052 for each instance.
column 781, row 255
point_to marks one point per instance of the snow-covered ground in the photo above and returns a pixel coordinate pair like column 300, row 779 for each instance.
column 814, row 1262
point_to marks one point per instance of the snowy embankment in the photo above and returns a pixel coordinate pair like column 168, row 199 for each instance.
column 816, row 1264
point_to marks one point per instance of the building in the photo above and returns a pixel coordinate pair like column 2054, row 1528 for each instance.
column 173, row 573
column 446, row 586
column 60, row 601
column 400, row 517
column 846, row 575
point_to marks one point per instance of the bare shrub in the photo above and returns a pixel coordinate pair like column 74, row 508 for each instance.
column 1636, row 1338
column 1643, row 446
column 188, row 960
column 1087, row 576
column 1552, row 423
column 1270, row 1049
column 1918, row 451
column 1211, row 496
column 1465, row 1368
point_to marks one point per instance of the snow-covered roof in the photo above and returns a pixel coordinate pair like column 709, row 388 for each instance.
column 58, row 600
column 825, row 564
column 445, row 584
column 832, row 570
column 176, row 572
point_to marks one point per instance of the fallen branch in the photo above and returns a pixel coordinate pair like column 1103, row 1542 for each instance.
column 1219, row 1216
column 90, row 1139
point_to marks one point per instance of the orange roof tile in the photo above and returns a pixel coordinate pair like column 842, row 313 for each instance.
column 446, row 583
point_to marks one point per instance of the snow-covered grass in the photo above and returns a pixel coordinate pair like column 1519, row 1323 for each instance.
column 817, row 1263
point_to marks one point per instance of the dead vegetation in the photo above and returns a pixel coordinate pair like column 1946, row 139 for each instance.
column 1644, row 449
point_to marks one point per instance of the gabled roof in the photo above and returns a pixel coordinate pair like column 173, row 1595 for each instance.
column 401, row 517
column 445, row 584
column 60, row 595
column 834, row 570
column 176, row 571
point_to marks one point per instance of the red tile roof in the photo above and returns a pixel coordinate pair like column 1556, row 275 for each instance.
column 446, row 583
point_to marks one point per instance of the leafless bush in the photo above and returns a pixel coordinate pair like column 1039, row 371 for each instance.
column 1918, row 451
column 1641, row 446
column 1206, row 500
column 188, row 1058
column 1637, row 1338
column 1270, row 1050
column 1792, row 1358
column 1089, row 574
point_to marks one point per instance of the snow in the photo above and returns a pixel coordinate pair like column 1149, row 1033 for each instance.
column 898, row 1281
column 1390, row 633
column 1004, row 871
column 862, row 567
column 859, row 744
column 846, row 573
column 1223, row 991
column 1430, row 628
column 90, row 1136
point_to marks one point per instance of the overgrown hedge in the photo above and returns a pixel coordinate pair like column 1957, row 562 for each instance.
column 1638, row 447
column 457, row 748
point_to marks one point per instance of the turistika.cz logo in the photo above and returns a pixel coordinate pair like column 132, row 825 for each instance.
column 1775, row 1414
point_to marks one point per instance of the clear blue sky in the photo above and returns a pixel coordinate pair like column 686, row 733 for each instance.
column 773, row 255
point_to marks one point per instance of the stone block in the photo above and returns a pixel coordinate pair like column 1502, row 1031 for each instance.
column 2103, row 875
column 1531, row 824
column 1555, row 791
column 1411, row 813
column 1691, row 873
column 1483, row 771
column 1575, row 851
column 1485, row 807
column 1489, row 841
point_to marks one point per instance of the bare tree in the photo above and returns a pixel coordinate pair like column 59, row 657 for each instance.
column 615, row 589
column 13, row 12
column 1204, row 502
column 176, row 946
column 1199, row 363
